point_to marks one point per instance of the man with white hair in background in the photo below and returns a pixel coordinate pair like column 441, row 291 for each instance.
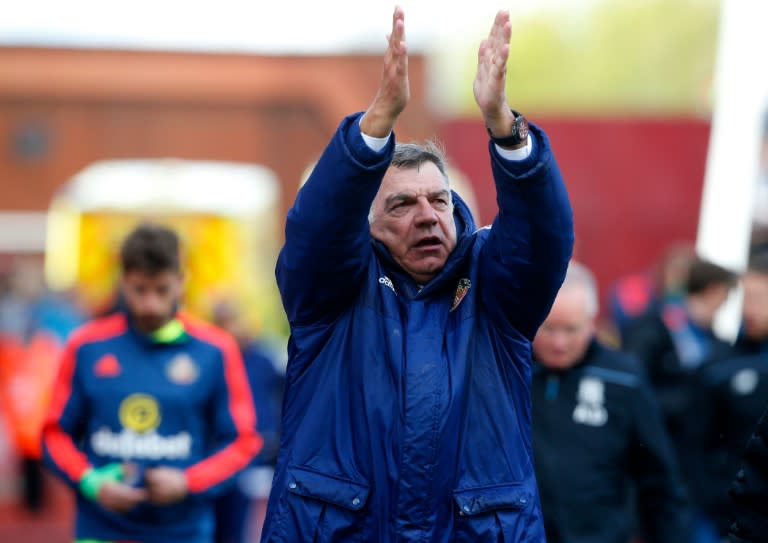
column 604, row 464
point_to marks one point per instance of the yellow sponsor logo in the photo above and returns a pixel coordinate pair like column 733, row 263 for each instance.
column 140, row 413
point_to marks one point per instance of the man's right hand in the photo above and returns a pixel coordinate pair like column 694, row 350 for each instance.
column 394, row 91
column 119, row 497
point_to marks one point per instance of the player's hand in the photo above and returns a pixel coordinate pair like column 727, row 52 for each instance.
column 119, row 497
column 165, row 486
column 394, row 90
column 489, row 86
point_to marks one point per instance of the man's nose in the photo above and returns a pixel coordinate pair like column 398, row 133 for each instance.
column 425, row 213
column 559, row 339
column 151, row 304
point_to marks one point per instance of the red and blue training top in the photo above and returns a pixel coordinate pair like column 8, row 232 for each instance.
column 123, row 397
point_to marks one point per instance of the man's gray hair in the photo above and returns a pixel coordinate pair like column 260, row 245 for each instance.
column 413, row 155
column 579, row 275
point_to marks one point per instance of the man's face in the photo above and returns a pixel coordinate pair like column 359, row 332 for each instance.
column 712, row 298
column 755, row 308
column 563, row 338
column 413, row 217
column 151, row 298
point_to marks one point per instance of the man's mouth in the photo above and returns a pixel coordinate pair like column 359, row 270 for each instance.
column 428, row 243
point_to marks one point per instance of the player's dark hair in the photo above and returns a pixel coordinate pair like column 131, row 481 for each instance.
column 150, row 248
column 703, row 273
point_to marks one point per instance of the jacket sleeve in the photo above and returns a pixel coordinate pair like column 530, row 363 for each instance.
column 64, row 424
column 749, row 490
column 662, row 503
column 327, row 236
column 233, row 428
column 529, row 245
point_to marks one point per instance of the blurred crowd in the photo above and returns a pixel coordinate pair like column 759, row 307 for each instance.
column 710, row 391
column 34, row 324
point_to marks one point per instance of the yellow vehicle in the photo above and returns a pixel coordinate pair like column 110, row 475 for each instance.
column 226, row 214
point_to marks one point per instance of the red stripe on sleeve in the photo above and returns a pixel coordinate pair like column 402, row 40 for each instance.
column 248, row 442
column 61, row 447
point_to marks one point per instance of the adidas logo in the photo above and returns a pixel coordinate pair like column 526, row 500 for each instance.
column 107, row 366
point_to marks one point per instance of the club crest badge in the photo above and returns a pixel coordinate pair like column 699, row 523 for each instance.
column 461, row 290
column 745, row 381
column 590, row 409
column 182, row 370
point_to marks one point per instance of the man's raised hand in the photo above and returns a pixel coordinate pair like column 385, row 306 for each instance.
column 490, row 81
column 394, row 90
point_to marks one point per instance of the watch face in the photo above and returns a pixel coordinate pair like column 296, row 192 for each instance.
column 522, row 127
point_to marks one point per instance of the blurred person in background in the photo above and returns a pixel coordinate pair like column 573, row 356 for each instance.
column 34, row 323
column 605, row 465
column 17, row 294
column 28, row 307
column 730, row 396
column 407, row 400
column 760, row 211
column 749, row 489
column 759, row 238
column 672, row 342
column 151, row 414
column 240, row 511
column 645, row 291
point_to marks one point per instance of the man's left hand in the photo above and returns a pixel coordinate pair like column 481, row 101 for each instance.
column 490, row 82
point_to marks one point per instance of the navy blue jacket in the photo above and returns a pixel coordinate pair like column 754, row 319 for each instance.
column 407, row 410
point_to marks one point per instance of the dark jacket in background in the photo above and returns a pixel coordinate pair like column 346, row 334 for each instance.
column 671, row 350
column 599, row 441
column 267, row 384
column 730, row 398
column 650, row 338
column 749, row 491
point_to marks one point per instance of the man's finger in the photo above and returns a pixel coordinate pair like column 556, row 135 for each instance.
column 137, row 495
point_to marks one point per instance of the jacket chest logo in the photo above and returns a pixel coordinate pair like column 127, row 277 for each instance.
column 744, row 382
column 107, row 366
column 590, row 409
column 461, row 291
column 387, row 282
column 182, row 369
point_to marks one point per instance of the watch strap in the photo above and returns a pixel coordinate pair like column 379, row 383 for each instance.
column 516, row 137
